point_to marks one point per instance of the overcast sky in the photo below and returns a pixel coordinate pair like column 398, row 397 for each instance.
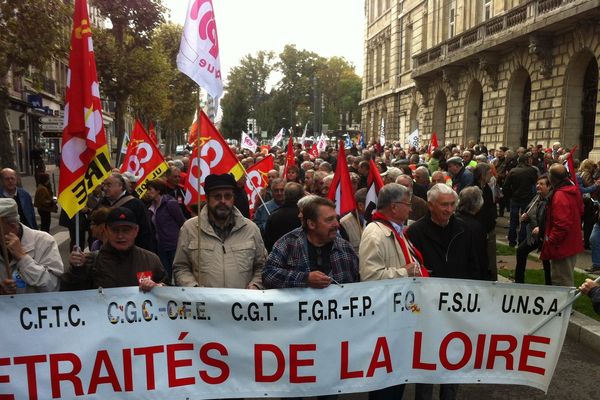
column 326, row 27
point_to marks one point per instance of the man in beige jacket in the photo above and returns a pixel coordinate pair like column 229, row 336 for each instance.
column 232, row 252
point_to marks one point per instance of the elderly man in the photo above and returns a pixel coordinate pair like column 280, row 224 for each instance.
column 175, row 188
column 232, row 253
column 422, row 182
column 119, row 263
column 448, row 249
column 34, row 260
column 115, row 195
column 562, row 237
column 312, row 255
column 385, row 253
column 461, row 177
column 21, row 197
column 285, row 218
column 262, row 213
column 419, row 206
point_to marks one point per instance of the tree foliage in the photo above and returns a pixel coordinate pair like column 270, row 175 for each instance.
column 308, row 82
column 124, row 52
column 31, row 33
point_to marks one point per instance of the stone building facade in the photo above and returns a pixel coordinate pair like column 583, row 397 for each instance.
column 502, row 72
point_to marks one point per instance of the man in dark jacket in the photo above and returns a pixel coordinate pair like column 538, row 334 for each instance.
column 520, row 187
column 115, row 195
column 448, row 250
column 19, row 195
column 461, row 177
column 284, row 219
column 562, row 238
column 119, row 263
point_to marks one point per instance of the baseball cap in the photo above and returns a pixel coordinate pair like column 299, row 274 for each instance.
column 121, row 216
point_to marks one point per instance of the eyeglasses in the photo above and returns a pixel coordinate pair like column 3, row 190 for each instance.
column 406, row 203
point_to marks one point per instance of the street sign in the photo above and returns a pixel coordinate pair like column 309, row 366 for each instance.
column 51, row 120
column 51, row 127
column 52, row 135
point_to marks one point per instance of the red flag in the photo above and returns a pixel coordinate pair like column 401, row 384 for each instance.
column 290, row 158
column 374, row 185
column 314, row 151
column 152, row 132
column 434, row 143
column 215, row 158
column 257, row 177
column 568, row 163
column 85, row 157
column 143, row 159
column 340, row 190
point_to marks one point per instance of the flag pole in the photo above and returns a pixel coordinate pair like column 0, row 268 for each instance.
column 198, row 142
column 253, row 186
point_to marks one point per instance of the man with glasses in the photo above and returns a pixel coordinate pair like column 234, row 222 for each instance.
column 262, row 213
column 232, row 253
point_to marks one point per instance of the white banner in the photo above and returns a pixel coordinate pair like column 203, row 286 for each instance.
column 198, row 55
column 413, row 139
column 247, row 142
column 322, row 143
column 222, row 343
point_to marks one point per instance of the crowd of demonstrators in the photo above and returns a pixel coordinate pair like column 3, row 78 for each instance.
column 436, row 216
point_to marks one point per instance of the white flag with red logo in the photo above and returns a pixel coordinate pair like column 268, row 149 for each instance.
column 215, row 158
column 322, row 143
column 341, row 191
column 143, row 159
column 248, row 143
column 85, row 159
column 257, row 178
column 278, row 138
column 198, row 55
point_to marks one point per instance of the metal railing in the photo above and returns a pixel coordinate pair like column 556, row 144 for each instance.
column 520, row 15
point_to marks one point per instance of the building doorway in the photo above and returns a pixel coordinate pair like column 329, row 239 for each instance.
column 473, row 109
column 440, row 106
column 518, row 107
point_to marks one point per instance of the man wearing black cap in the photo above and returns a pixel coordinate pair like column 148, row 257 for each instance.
column 461, row 177
column 119, row 262
column 232, row 252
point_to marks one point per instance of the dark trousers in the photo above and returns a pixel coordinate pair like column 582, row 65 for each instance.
column 45, row 220
column 388, row 393
column 522, row 252
column 166, row 258
column 516, row 209
column 447, row 391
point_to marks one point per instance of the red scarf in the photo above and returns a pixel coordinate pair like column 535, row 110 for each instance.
column 410, row 252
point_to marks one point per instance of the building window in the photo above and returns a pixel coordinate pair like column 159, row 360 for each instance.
column 452, row 20
column 408, row 47
column 378, row 64
column 487, row 9
column 386, row 63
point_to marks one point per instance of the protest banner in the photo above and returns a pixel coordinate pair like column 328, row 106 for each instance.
column 223, row 343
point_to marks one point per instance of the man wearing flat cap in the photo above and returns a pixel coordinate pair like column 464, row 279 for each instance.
column 461, row 177
column 33, row 258
column 232, row 252
column 119, row 263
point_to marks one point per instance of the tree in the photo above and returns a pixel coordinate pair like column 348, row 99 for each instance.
column 120, row 47
column 31, row 33
column 341, row 89
column 246, row 94
column 181, row 90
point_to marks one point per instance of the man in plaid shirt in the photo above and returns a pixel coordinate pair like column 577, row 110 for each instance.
column 312, row 255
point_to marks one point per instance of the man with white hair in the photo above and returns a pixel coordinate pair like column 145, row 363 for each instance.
column 34, row 260
column 10, row 190
column 448, row 249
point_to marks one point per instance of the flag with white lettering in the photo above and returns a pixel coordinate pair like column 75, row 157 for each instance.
column 143, row 159
column 85, row 158
column 215, row 158
column 198, row 55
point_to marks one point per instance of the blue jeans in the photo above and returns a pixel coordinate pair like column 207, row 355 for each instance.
column 516, row 209
column 595, row 245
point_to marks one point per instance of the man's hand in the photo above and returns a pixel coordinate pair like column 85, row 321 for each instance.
column 413, row 269
column 587, row 286
column 8, row 286
column 77, row 257
column 252, row 286
column 535, row 231
column 524, row 217
column 318, row 280
column 147, row 284
column 13, row 244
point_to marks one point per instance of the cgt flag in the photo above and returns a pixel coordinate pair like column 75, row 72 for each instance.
column 193, row 131
column 143, row 159
column 340, row 190
column 215, row 158
column 290, row 157
column 85, row 157
column 152, row 133
column 198, row 55
column 257, row 177
column 374, row 185
column 434, row 143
